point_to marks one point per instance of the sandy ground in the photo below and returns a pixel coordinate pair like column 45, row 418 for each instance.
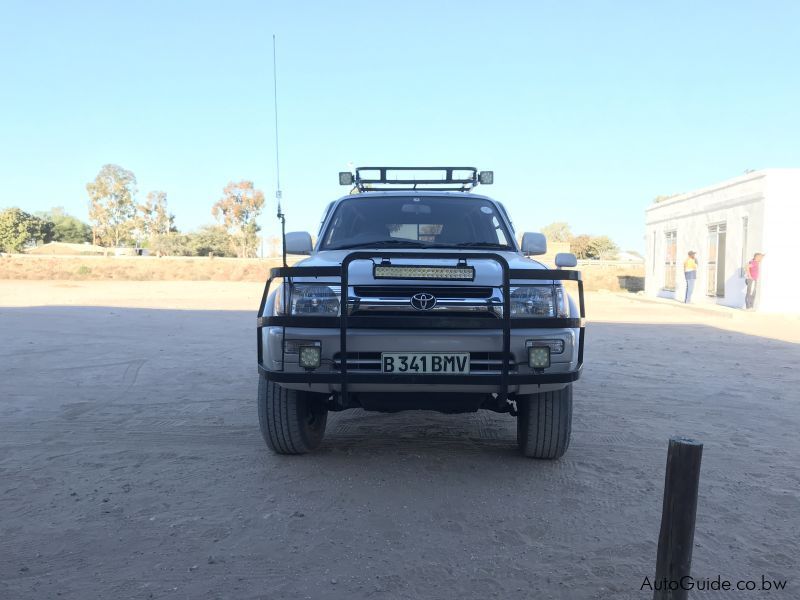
column 131, row 465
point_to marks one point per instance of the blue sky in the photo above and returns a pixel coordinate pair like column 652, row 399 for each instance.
column 585, row 111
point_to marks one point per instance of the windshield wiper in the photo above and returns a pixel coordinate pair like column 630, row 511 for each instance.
column 381, row 244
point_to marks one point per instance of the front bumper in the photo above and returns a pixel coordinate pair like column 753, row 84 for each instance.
column 413, row 333
column 365, row 345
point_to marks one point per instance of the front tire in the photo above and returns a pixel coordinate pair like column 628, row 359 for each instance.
column 292, row 422
column 544, row 423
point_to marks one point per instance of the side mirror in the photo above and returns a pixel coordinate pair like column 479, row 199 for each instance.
column 534, row 243
column 298, row 242
column 566, row 259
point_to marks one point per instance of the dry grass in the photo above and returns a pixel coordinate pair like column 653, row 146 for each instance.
column 97, row 268
column 66, row 249
column 612, row 276
column 134, row 268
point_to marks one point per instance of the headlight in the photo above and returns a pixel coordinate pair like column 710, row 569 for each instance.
column 312, row 299
column 307, row 299
column 538, row 301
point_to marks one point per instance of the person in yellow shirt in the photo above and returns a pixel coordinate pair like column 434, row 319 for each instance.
column 690, row 272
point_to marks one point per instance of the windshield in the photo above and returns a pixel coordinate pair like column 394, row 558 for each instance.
column 416, row 221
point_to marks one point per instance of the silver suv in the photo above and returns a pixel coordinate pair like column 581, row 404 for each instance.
column 417, row 296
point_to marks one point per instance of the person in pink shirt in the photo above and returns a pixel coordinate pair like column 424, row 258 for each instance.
column 752, row 273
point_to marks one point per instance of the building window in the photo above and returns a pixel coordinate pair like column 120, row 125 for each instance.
column 715, row 266
column 670, row 259
column 745, row 254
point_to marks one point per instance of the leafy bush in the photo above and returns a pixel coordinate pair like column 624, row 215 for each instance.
column 207, row 241
column 211, row 241
column 170, row 245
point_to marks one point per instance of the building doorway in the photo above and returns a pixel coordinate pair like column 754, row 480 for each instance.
column 715, row 269
column 670, row 259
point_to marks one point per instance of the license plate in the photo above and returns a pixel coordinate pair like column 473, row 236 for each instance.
column 425, row 363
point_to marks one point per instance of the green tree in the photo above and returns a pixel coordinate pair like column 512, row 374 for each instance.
column 153, row 218
column 112, row 209
column 580, row 246
column 237, row 210
column 172, row 244
column 211, row 240
column 603, row 247
column 67, row 228
column 600, row 247
column 557, row 232
column 19, row 229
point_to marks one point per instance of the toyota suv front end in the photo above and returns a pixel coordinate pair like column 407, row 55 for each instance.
column 419, row 299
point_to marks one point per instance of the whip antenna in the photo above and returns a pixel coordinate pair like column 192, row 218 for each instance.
column 278, row 194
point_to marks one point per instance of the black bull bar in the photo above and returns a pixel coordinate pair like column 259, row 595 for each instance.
column 414, row 321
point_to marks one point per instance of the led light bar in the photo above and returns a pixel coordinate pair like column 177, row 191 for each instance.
column 422, row 272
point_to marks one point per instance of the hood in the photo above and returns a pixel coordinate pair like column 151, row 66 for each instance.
column 487, row 271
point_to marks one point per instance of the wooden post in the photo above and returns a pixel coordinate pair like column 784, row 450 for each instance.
column 678, row 514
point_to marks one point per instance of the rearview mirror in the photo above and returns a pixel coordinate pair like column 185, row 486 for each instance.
column 534, row 243
column 566, row 259
column 298, row 242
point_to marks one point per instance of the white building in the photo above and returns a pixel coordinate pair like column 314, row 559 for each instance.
column 726, row 224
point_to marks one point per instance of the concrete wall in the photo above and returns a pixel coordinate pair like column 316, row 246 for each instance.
column 780, row 273
column 690, row 215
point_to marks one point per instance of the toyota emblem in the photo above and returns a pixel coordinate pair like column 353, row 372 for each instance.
column 423, row 301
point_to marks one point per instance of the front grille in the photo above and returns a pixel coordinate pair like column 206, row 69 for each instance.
column 406, row 291
column 358, row 361
column 410, row 313
column 489, row 362
column 370, row 362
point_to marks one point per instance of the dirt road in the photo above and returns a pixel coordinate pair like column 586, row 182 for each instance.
column 131, row 465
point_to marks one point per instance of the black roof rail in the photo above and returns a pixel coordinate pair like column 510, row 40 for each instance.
column 454, row 179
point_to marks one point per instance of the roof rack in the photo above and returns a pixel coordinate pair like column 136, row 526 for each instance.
column 459, row 179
